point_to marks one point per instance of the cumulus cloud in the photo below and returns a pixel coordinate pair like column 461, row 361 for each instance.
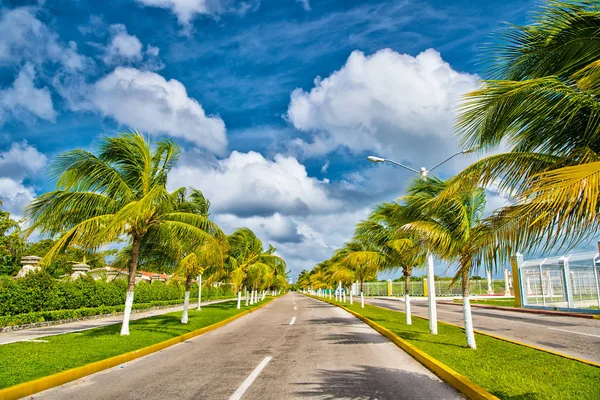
column 15, row 196
column 23, row 99
column 386, row 102
column 248, row 184
column 23, row 37
column 147, row 101
column 275, row 228
column 122, row 47
column 21, row 160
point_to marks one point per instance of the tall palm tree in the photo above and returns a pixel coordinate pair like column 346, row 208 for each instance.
column 383, row 228
column 249, row 264
column 187, row 257
column 541, row 99
column 359, row 260
column 121, row 192
column 454, row 230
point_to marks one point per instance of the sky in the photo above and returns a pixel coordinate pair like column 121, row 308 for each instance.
column 275, row 103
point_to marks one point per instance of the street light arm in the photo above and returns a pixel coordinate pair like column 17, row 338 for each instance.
column 403, row 166
column 446, row 160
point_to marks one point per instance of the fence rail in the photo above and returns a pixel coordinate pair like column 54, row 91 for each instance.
column 442, row 288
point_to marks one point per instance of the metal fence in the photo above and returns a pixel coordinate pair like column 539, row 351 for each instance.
column 561, row 282
column 442, row 288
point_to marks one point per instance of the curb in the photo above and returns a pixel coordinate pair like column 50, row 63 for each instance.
column 28, row 388
column 581, row 360
column 530, row 311
column 456, row 380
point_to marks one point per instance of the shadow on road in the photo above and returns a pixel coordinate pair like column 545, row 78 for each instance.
column 366, row 382
column 335, row 320
column 357, row 338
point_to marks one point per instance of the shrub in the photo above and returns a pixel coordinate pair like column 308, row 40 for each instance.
column 39, row 292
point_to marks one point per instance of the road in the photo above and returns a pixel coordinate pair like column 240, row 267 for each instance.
column 85, row 324
column 295, row 347
column 577, row 337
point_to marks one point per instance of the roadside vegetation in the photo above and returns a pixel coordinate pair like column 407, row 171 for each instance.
column 119, row 197
column 26, row 361
column 538, row 103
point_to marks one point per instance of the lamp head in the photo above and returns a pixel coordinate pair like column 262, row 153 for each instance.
column 375, row 159
column 471, row 150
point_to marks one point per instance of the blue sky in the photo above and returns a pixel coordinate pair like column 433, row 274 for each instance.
column 276, row 104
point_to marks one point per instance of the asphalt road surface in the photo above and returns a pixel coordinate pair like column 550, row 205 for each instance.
column 577, row 337
column 295, row 347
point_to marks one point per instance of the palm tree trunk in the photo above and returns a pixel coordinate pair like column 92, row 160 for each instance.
column 246, row 296
column 407, row 299
column 135, row 252
column 199, row 292
column 362, row 285
column 467, row 309
column 186, row 300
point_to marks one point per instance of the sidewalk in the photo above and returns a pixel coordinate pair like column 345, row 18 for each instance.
column 36, row 333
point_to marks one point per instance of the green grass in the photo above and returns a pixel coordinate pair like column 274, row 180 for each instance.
column 492, row 302
column 504, row 369
column 25, row 361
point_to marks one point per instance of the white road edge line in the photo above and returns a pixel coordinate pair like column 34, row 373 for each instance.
column 579, row 333
column 246, row 384
column 292, row 321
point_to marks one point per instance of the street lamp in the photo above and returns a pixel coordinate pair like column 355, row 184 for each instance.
column 430, row 275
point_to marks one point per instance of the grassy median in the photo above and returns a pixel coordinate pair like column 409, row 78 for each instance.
column 26, row 361
column 504, row 369
column 492, row 302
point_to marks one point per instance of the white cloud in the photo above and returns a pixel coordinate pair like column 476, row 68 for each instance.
column 23, row 37
column 123, row 47
column 21, row 160
column 15, row 196
column 388, row 102
column 23, row 99
column 147, row 101
column 274, row 228
column 248, row 184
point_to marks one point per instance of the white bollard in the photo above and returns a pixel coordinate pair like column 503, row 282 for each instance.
column 362, row 300
column 239, row 304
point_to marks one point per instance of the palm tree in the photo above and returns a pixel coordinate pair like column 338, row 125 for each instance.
column 542, row 100
column 359, row 260
column 250, row 265
column 383, row 228
column 121, row 192
column 454, row 230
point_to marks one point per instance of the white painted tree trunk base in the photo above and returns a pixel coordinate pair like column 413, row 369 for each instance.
column 351, row 298
column 362, row 300
column 127, row 313
column 468, row 323
column 239, row 303
column 247, row 298
column 407, row 307
column 186, row 306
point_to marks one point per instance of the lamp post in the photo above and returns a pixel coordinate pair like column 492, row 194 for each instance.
column 423, row 172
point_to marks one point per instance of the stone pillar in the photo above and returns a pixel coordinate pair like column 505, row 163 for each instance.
column 29, row 264
column 79, row 270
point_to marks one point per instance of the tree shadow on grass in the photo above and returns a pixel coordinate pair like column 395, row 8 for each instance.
column 368, row 382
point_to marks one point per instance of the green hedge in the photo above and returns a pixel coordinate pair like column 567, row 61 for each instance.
column 57, row 315
column 39, row 292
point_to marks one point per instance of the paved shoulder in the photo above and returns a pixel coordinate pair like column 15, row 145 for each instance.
column 295, row 347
